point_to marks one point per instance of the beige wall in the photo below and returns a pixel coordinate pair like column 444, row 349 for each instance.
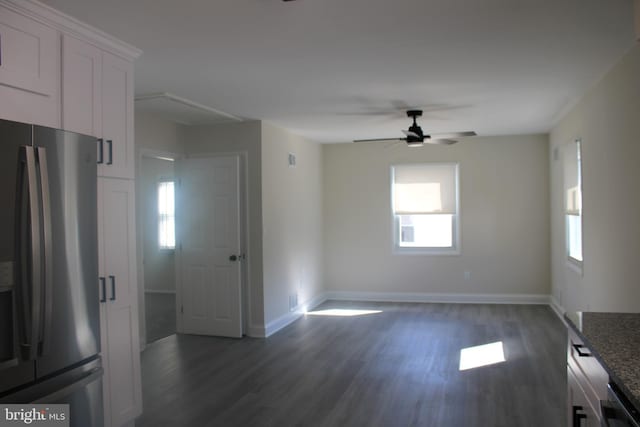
column 243, row 138
column 159, row 264
column 285, row 212
column 504, row 223
column 153, row 133
column 292, row 220
column 607, row 120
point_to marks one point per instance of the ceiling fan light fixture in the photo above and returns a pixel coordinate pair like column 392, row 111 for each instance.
column 415, row 137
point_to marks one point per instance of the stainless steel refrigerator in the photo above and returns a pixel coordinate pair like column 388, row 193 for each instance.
column 49, row 303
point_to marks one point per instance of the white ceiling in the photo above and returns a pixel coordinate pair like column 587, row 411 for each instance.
column 314, row 66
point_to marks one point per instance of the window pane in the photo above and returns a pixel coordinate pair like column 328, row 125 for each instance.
column 426, row 231
column 166, row 215
column 574, row 235
column 572, row 157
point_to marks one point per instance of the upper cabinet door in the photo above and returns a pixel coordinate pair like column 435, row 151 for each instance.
column 117, row 117
column 28, row 54
column 29, row 70
column 81, row 87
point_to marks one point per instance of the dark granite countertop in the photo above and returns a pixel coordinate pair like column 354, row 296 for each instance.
column 614, row 339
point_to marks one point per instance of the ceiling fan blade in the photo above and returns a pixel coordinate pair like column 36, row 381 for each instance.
column 440, row 141
column 452, row 135
column 411, row 134
column 379, row 139
column 365, row 113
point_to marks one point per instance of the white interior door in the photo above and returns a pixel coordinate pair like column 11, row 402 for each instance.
column 208, row 243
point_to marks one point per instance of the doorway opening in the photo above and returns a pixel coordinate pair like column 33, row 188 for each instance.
column 157, row 214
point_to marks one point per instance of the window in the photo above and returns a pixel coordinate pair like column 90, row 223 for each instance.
column 425, row 208
column 573, row 201
column 166, row 215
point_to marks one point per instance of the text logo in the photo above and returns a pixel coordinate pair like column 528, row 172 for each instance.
column 34, row 415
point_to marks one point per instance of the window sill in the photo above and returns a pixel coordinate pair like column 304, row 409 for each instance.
column 426, row 251
column 575, row 265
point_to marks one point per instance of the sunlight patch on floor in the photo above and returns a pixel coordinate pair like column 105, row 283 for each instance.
column 481, row 355
column 344, row 312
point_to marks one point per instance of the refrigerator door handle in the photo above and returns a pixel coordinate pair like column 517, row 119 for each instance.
column 45, row 337
column 31, row 308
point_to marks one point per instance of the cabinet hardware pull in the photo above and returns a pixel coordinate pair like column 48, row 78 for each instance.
column 577, row 418
column 100, row 151
column 113, row 288
column 110, row 144
column 103, row 287
column 578, row 348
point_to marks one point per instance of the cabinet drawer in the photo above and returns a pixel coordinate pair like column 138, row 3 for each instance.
column 29, row 54
column 580, row 410
column 588, row 371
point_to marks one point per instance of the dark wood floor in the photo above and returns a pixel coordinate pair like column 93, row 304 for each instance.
column 396, row 368
column 160, row 315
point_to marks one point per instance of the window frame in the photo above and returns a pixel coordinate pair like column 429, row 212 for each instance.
column 161, row 180
column 396, row 249
column 574, row 263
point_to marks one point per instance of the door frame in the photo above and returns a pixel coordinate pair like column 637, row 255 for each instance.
column 155, row 154
column 245, row 278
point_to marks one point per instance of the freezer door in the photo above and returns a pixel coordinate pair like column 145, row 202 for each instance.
column 70, row 330
column 14, row 303
column 80, row 388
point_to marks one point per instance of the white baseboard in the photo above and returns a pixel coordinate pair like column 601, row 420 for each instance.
column 287, row 319
column 557, row 308
column 439, row 297
column 158, row 291
column 420, row 297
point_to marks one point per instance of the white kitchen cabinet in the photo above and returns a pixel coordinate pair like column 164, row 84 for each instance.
column 97, row 99
column 119, row 307
column 29, row 69
column 586, row 381
column 580, row 412
column 81, row 87
column 117, row 117
column 56, row 71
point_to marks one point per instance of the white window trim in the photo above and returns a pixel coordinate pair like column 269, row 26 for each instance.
column 572, row 263
column 396, row 249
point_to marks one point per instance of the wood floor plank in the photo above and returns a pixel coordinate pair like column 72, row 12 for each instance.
column 399, row 367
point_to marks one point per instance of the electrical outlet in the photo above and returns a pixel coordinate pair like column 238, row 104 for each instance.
column 293, row 302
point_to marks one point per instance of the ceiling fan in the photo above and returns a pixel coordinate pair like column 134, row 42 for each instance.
column 415, row 137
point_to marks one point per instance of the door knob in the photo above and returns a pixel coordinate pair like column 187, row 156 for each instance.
column 233, row 258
